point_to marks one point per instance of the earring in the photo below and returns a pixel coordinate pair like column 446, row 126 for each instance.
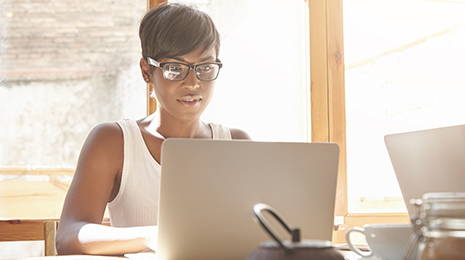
column 146, row 78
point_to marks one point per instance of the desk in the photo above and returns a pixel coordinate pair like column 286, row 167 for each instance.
column 74, row 257
column 146, row 256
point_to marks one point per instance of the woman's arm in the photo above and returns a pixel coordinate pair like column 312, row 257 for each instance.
column 96, row 239
column 239, row 134
column 80, row 230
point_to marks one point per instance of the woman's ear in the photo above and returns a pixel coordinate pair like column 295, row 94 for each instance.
column 145, row 69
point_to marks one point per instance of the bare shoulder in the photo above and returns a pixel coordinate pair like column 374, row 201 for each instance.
column 106, row 134
column 239, row 134
column 104, row 145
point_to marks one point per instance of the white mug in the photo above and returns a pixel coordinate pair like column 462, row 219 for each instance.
column 386, row 241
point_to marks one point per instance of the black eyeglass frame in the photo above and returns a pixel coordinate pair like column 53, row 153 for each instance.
column 193, row 67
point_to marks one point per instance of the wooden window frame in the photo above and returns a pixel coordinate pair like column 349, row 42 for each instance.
column 328, row 105
column 327, row 84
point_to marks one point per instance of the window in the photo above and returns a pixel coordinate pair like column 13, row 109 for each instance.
column 404, row 63
column 64, row 69
column 262, row 87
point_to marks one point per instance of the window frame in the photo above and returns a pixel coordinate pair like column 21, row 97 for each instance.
column 328, row 106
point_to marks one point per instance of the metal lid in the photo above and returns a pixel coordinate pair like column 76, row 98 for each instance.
column 445, row 204
column 444, row 196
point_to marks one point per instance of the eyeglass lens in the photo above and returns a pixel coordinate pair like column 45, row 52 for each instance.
column 205, row 72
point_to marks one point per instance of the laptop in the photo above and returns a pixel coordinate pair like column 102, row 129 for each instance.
column 430, row 160
column 209, row 187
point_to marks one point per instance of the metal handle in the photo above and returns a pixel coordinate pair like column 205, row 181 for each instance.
column 295, row 233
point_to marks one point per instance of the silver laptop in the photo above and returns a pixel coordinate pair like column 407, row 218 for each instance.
column 430, row 160
column 209, row 187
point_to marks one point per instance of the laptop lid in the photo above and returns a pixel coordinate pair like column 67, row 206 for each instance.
column 209, row 187
column 430, row 160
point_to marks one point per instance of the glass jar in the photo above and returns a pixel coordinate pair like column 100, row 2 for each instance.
column 439, row 227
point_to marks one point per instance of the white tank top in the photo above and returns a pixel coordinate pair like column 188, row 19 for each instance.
column 136, row 203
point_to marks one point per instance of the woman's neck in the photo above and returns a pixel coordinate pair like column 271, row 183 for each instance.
column 171, row 127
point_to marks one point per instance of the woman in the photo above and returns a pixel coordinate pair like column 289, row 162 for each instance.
column 119, row 162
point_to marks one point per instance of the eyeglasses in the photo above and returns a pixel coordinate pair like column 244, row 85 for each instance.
column 176, row 71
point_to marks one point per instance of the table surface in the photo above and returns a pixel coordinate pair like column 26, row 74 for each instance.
column 149, row 256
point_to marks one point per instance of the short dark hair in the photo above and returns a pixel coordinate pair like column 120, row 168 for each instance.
column 173, row 29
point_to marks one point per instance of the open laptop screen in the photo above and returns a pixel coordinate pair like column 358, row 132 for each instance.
column 209, row 188
column 430, row 160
